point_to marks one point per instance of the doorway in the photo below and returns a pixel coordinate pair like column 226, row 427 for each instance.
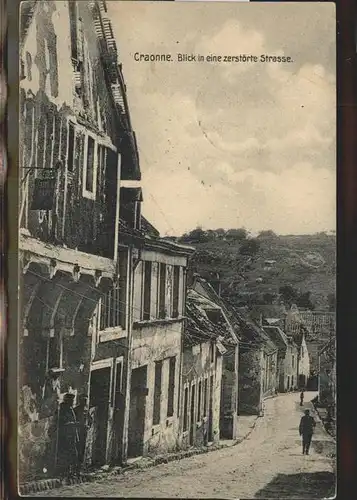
column 210, row 411
column 99, row 399
column 137, row 410
column 192, row 415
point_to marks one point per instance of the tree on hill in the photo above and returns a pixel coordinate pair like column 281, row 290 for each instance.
column 249, row 247
column 289, row 294
column 196, row 235
column 267, row 234
column 304, row 301
column 237, row 234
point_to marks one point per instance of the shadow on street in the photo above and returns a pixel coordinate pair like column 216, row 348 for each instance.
column 304, row 485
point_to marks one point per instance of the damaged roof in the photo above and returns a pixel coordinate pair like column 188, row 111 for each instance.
column 277, row 336
column 206, row 321
column 249, row 334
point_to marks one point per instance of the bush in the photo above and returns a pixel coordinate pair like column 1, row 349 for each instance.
column 249, row 247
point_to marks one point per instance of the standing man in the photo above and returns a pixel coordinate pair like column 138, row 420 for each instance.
column 301, row 398
column 306, row 429
column 84, row 423
column 67, row 438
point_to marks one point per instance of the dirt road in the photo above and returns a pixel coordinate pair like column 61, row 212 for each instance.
column 268, row 464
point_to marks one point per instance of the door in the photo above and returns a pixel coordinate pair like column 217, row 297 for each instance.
column 99, row 400
column 192, row 415
column 137, row 410
column 118, row 414
column 210, row 411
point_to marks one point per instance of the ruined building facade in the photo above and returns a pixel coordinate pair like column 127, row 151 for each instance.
column 76, row 234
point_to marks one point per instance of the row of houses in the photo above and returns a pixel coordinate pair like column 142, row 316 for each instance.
column 107, row 308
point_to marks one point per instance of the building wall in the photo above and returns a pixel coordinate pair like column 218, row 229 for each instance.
column 53, row 336
column 327, row 377
column 49, row 103
column 68, row 253
column 291, row 368
column 304, row 363
column 200, row 365
column 157, row 336
column 269, row 373
column 149, row 345
column 250, row 381
column 229, row 394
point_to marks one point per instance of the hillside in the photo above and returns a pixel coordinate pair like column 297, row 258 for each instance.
column 255, row 270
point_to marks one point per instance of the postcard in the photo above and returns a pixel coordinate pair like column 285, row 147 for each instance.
column 177, row 248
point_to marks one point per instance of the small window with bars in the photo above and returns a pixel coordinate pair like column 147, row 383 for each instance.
column 110, row 309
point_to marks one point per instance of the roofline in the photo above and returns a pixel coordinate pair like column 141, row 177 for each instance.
column 168, row 246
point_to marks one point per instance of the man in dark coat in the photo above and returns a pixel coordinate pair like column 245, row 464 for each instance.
column 84, row 423
column 306, row 429
column 67, row 438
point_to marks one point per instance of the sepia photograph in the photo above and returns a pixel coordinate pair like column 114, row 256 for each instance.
column 177, row 249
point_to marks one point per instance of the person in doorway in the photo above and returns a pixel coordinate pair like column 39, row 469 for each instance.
column 67, row 438
column 306, row 430
column 84, row 424
column 301, row 398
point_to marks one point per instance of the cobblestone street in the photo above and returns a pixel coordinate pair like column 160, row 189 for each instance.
column 268, row 464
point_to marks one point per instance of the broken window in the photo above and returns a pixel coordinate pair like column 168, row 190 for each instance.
column 157, row 393
column 146, row 303
column 185, row 411
column 162, row 291
column 176, row 292
column 171, row 388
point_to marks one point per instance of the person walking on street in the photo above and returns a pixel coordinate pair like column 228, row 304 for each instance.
column 84, row 424
column 301, row 398
column 306, row 429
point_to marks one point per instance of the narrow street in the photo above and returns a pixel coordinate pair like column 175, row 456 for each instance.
column 268, row 464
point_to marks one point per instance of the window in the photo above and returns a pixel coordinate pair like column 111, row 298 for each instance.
column 157, row 393
column 146, row 303
column 89, row 171
column 162, row 290
column 176, row 292
column 199, row 401
column 185, row 411
column 110, row 307
column 293, row 361
column 171, row 388
column 71, row 139
column 205, row 395
column 212, row 352
column 55, row 352
column 118, row 396
column 72, row 6
column 292, row 380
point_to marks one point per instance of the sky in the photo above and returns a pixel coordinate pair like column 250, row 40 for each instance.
column 233, row 145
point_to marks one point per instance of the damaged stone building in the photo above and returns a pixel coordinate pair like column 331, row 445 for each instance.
column 258, row 365
column 76, row 235
column 155, row 349
column 210, row 370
